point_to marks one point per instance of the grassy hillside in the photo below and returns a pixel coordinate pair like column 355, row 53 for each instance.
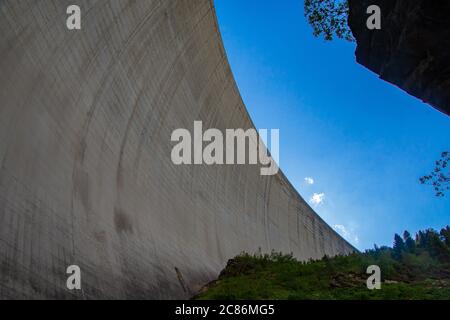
column 412, row 269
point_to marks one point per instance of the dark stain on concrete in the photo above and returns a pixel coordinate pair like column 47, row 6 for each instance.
column 181, row 280
column 122, row 222
column 81, row 186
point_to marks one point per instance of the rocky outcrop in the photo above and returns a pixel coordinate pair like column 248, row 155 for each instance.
column 412, row 49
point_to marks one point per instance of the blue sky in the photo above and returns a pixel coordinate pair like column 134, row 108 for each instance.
column 363, row 141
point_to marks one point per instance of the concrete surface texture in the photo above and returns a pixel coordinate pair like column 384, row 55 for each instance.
column 86, row 177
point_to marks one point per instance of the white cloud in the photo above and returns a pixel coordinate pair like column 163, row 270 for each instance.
column 309, row 180
column 317, row 198
column 349, row 235
column 341, row 229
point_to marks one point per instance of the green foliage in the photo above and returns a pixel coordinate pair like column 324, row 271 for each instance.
column 421, row 270
column 410, row 244
column 399, row 247
column 439, row 178
column 445, row 235
column 328, row 18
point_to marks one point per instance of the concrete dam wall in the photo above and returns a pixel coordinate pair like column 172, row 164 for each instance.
column 86, row 176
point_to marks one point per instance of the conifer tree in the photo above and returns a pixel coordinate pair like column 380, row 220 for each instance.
column 445, row 235
column 399, row 247
column 410, row 245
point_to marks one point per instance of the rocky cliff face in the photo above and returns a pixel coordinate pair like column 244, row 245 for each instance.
column 412, row 49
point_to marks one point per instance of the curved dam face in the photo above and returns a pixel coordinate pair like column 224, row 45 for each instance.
column 86, row 176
